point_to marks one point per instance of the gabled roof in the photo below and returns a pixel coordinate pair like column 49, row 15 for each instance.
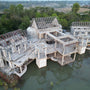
column 81, row 24
column 45, row 22
column 15, row 35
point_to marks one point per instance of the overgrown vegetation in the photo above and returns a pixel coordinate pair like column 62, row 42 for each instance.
column 6, row 86
column 16, row 17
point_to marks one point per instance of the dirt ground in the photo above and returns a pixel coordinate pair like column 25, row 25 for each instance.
column 66, row 10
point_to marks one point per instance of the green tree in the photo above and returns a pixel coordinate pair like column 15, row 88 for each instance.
column 12, row 10
column 38, row 14
column 25, row 23
column 75, row 7
column 54, row 15
column 44, row 15
column 4, row 24
column 64, row 23
column 19, row 10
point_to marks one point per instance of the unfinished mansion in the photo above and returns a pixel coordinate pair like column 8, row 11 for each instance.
column 43, row 40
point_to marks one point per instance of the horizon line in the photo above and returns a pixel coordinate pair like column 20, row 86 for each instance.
column 40, row 0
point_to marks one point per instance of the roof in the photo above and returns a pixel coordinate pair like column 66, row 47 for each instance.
column 15, row 35
column 45, row 22
column 81, row 24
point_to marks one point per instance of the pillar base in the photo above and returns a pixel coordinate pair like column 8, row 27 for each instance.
column 81, row 50
column 41, row 62
column 1, row 63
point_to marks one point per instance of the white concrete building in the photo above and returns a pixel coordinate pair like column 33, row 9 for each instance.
column 42, row 41
column 81, row 30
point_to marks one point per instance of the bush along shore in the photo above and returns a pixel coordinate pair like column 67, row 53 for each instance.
column 8, row 81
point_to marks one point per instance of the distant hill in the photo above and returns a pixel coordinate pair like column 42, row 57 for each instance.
column 54, row 4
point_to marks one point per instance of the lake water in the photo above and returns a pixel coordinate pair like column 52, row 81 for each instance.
column 75, row 76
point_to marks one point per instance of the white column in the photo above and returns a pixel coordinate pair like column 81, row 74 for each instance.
column 62, row 59
column 9, row 55
column 82, row 41
column 1, row 61
column 4, row 53
column 85, row 33
column 63, row 54
column 45, row 52
column 74, row 33
column 39, row 36
column 35, row 50
column 80, row 32
column 25, row 46
column 13, row 48
column 55, row 44
column 74, row 56
column 87, row 40
column 46, row 36
column 10, row 64
column 21, row 44
column 30, row 42
column 55, row 54
column 38, row 54
column 21, row 69
column 56, row 33
column 18, row 50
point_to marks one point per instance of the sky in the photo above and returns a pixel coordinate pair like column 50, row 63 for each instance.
column 44, row 0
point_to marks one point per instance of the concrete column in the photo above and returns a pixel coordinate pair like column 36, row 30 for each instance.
column 24, row 38
column 35, row 50
column 39, row 36
column 81, row 50
column 38, row 54
column 85, row 33
column 25, row 46
column 13, row 48
column 63, row 49
column 55, row 44
column 45, row 36
column 62, row 59
column 30, row 42
column 21, row 69
column 82, row 41
column 41, row 62
column 74, row 33
column 87, row 40
column 80, row 33
column 1, row 61
column 55, row 54
column 9, row 55
column 74, row 56
column 10, row 64
column 63, row 54
column 18, row 50
column 45, row 52
column 21, row 44
column 4, row 53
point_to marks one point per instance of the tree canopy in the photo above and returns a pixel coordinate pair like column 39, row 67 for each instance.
column 16, row 17
column 75, row 7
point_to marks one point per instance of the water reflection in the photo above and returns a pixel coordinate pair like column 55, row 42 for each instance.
column 79, row 60
column 55, row 77
column 52, row 73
